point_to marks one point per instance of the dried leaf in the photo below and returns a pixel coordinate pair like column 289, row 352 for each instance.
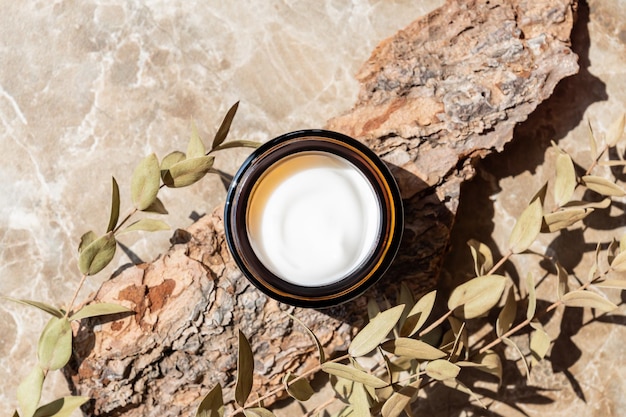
column 145, row 182
column 612, row 283
column 507, row 314
column 86, row 240
column 581, row 298
column 237, row 144
column 419, row 314
column 300, row 389
column 563, row 277
column 99, row 309
column 527, row 227
column 258, row 412
column 195, row 148
column 593, row 143
column 320, row 349
column 532, row 296
column 441, row 369
column 170, row 160
column 411, row 348
column 62, row 407
column 619, row 262
column 29, row 391
column 375, row 332
column 483, row 258
column 588, row 204
column 477, row 296
column 222, row 132
column 55, row 344
column 602, row 186
column 539, row 343
column 147, row 225
column 353, row 374
column 360, row 401
column 512, row 344
column 212, row 405
column 42, row 306
column 565, row 181
column 187, row 172
column 558, row 220
column 406, row 298
column 156, row 207
column 245, row 370
column 397, row 402
column 115, row 205
column 616, row 131
column 373, row 309
column 97, row 254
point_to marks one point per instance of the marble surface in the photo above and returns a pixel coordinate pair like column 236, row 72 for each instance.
column 88, row 88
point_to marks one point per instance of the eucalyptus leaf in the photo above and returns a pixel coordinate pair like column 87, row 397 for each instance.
column 29, row 391
column 318, row 344
column 619, row 262
column 616, row 131
column 539, row 343
column 406, row 298
column 562, row 219
column 488, row 362
column 195, row 148
column 477, row 296
column 604, row 203
column 212, row 405
column 612, row 283
column 115, row 205
column 419, row 314
column 602, row 186
column 86, row 239
column 145, row 182
column 170, row 160
column 156, row 207
column 441, row 370
column 258, row 412
column 527, row 227
column 299, row 389
column 237, row 144
column 411, row 348
column 353, row 374
column 483, row 258
column 565, row 181
column 612, row 251
column 55, row 344
column 562, row 287
column 373, row 309
column 99, row 309
column 187, row 172
column 37, row 304
column 222, row 132
column 532, row 296
column 512, row 344
column 245, row 370
column 397, row 402
column 581, row 298
column 360, row 401
column 147, row 225
column 375, row 331
column 507, row 314
column 62, row 407
column 97, row 255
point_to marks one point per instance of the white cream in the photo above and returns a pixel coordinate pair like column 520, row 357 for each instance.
column 313, row 218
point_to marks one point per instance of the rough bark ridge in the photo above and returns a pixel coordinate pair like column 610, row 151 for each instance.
column 447, row 89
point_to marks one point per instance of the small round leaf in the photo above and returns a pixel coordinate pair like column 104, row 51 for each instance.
column 145, row 182
column 97, row 254
column 55, row 344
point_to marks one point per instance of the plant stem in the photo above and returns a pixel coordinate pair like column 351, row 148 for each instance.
column 71, row 304
column 435, row 324
column 500, row 262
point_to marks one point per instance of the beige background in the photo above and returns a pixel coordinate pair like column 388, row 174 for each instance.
column 87, row 88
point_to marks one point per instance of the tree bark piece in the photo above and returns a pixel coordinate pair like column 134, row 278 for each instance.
column 447, row 89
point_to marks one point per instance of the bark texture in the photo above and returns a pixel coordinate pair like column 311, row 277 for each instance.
column 447, row 89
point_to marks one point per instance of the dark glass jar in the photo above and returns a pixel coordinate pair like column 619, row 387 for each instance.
column 313, row 218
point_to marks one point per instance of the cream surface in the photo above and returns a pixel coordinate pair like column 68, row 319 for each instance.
column 313, row 218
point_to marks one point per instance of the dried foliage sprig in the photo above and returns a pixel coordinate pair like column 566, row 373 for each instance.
column 177, row 169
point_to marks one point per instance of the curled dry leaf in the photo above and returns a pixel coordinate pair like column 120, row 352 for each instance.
column 299, row 389
column 318, row 344
column 375, row 331
column 477, row 296
column 483, row 258
column 418, row 314
column 170, row 160
column 187, row 172
column 115, row 205
column 562, row 219
column 512, row 345
column 602, row 186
